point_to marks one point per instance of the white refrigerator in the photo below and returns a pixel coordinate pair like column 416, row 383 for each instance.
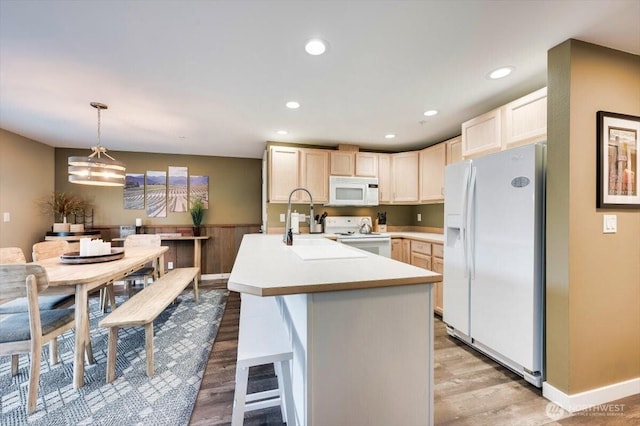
column 494, row 257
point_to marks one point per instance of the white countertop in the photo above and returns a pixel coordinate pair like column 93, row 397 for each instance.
column 423, row 236
column 265, row 266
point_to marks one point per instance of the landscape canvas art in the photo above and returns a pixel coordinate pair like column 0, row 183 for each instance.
column 134, row 191
column 199, row 188
column 156, row 185
column 178, row 177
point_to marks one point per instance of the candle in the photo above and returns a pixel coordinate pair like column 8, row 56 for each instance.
column 138, row 222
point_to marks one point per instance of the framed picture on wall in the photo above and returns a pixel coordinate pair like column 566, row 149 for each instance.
column 617, row 161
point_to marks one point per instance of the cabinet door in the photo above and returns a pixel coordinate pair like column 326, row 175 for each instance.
column 481, row 135
column 366, row 164
column 342, row 163
column 314, row 174
column 385, row 189
column 454, row 150
column 432, row 162
column 404, row 169
column 406, row 251
column 396, row 249
column 524, row 120
column 421, row 260
column 438, row 266
column 284, row 176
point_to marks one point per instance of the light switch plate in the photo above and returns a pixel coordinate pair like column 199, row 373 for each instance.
column 419, row 217
column 6, row 217
column 282, row 217
column 609, row 224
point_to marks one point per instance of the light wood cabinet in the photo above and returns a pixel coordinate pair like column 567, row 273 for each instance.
column 406, row 250
column 290, row 168
column 385, row 188
column 343, row 163
column 421, row 260
column 284, row 168
column 524, row 120
column 454, row 150
column 396, row 249
column 437, row 263
column 404, row 168
column 520, row 122
column 481, row 135
column 432, row 162
column 366, row 164
column 314, row 174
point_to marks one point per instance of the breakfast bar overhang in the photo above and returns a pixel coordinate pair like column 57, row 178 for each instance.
column 360, row 325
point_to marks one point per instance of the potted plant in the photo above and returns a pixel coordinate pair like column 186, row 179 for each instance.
column 62, row 205
column 197, row 214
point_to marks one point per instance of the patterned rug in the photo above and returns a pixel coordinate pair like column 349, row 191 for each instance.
column 184, row 335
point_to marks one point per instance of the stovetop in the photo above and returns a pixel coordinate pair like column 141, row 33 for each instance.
column 349, row 227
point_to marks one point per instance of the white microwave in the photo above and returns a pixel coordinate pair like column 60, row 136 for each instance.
column 353, row 191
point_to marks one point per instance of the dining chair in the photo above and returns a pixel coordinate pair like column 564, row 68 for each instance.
column 141, row 240
column 27, row 332
column 49, row 249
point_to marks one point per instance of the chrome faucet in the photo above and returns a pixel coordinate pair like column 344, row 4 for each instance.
column 288, row 217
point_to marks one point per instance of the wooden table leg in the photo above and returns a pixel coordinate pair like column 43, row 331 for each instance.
column 196, row 253
column 112, row 353
column 148, row 343
column 82, row 330
column 161, row 264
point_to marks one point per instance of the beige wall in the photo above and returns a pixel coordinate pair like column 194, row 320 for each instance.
column 234, row 188
column 26, row 177
column 593, row 279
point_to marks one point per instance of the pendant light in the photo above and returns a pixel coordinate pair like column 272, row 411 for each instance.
column 99, row 168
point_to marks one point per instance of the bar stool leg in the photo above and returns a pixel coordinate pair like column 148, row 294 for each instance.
column 242, row 376
column 288, row 392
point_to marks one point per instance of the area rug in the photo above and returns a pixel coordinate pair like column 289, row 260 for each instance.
column 184, row 335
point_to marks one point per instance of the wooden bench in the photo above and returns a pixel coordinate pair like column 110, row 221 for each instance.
column 143, row 308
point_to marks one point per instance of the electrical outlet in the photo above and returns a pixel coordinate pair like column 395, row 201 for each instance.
column 419, row 217
column 282, row 217
column 7, row 217
column 609, row 224
column 169, row 265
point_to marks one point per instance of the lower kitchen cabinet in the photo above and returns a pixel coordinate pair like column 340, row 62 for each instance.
column 396, row 249
column 437, row 263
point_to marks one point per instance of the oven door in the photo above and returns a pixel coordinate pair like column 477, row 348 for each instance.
column 380, row 246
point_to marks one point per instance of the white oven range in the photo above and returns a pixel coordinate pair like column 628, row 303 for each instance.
column 347, row 231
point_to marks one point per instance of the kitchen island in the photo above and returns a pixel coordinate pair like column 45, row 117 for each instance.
column 361, row 328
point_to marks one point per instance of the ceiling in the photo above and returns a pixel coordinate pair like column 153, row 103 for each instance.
column 213, row 77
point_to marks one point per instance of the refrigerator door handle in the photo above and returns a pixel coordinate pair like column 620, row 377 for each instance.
column 463, row 226
column 470, row 225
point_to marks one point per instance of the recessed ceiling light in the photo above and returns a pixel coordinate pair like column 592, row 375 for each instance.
column 293, row 105
column 430, row 112
column 315, row 47
column 500, row 73
column 390, row 136
column 282, row 132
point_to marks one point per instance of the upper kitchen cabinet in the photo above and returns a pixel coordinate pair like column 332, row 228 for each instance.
column 343, row 163
column 353, row 163
column 454, row 150
column 524, row 120
column 314, row 174
column 481, row 135
column 366, row 164
column 405, row 177
column 284, row 173
column 385, row 187
column 432, row 162
column 519, row 122
column 290, row 168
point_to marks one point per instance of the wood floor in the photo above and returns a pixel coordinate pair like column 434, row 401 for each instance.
column 470, row 389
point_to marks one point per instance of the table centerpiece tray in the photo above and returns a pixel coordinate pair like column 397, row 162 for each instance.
column 75, row 258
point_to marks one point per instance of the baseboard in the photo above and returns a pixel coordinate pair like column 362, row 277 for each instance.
column 590, row 398
column 215, row 276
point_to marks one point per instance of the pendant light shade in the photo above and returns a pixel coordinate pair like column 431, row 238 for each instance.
column 99, row 168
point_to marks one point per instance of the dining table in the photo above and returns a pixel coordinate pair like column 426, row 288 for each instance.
column 87, row 277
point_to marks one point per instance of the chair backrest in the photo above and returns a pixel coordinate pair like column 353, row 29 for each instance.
column 12, row 255
column 13, row 278
column 142, row 240
column 48, row 249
